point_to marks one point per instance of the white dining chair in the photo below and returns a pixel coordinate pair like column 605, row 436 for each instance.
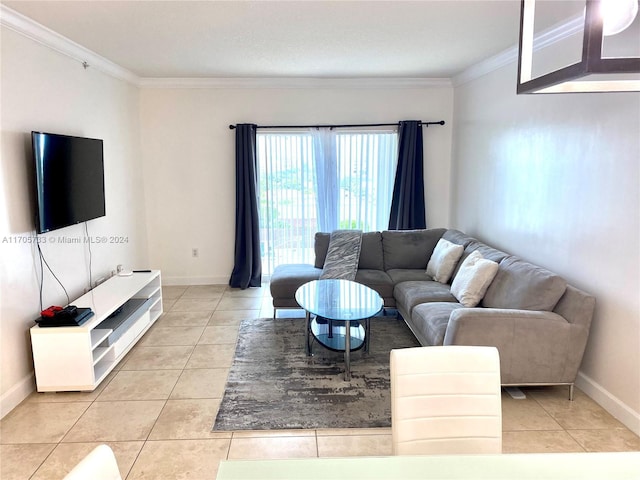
column 446, row 400
column 100, row 464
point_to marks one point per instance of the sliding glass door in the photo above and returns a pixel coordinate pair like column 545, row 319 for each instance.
column 321, row 180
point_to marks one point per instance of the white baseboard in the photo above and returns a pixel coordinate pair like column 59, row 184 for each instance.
column 169, row 281
column 611, row 403
column 16, row 394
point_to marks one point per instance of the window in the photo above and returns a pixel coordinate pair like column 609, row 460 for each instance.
column 321, row 180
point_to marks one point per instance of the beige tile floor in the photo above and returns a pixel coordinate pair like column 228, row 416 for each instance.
column 157, row 409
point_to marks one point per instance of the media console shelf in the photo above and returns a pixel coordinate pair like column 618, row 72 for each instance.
column 79, row 358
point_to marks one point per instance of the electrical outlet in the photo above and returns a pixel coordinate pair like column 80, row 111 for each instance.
column 194, row 252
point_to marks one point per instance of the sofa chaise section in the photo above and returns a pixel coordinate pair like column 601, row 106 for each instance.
column 286, row 279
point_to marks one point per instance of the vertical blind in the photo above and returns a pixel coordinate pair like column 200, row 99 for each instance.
column 321, row 180
column 286, row 198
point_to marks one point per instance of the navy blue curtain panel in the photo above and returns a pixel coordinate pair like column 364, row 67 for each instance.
column 407, row 203
column 247, row 269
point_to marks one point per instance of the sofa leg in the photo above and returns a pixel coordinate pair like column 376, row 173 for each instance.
column 274, row 312
column 571, row 392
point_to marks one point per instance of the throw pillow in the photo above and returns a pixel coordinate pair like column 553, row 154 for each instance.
column 473, row 279
column 444, row 260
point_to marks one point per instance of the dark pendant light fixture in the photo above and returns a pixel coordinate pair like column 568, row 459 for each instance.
column 595, row 72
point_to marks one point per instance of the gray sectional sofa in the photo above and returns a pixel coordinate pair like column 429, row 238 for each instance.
column 538, row 322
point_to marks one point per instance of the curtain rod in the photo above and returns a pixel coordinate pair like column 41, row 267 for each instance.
column 424, row 124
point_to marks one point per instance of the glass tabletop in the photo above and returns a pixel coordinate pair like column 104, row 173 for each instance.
column 339, row 300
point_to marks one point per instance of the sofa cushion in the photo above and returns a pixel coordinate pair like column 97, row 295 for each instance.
column 407, row 274
column 473, row 279
column 370, row 250
column 286, row 279
column 443, row 260
column 487, row 252
column 430, row 320
column 321, row 247
column 377, row 280
column 457, row 237
column 409, row 248
column 522, row 285
column 411, row 293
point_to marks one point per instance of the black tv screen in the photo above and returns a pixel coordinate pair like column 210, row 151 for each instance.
column 69, row 180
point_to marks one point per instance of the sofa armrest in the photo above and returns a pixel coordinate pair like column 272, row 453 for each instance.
column 534, row 346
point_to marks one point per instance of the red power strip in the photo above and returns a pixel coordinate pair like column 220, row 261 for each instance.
column 51, row 311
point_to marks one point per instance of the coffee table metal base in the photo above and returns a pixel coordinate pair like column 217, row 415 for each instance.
column 332, row 335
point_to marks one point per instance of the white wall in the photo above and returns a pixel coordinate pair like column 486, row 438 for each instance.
column 46, row 91
column 555, row 179
column 189, row 159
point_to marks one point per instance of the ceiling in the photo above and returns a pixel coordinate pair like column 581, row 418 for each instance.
column 303, row 38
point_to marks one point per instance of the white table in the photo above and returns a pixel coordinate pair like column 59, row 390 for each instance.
column 561, row 466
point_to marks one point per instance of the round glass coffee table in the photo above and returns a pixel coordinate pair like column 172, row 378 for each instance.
column 339, row 306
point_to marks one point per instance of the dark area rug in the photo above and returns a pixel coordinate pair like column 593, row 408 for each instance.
column 273, row 385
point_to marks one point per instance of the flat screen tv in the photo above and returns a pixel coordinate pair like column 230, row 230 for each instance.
column 69, row 180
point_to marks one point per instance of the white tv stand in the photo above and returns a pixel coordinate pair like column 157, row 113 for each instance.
column 79, row 358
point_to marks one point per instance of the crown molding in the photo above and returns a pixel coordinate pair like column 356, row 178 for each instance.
column 295, row 82
column 35, row 31
column 544, row 39
column 31, row 29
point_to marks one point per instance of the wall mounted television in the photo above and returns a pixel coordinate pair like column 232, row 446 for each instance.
column 69, row 180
